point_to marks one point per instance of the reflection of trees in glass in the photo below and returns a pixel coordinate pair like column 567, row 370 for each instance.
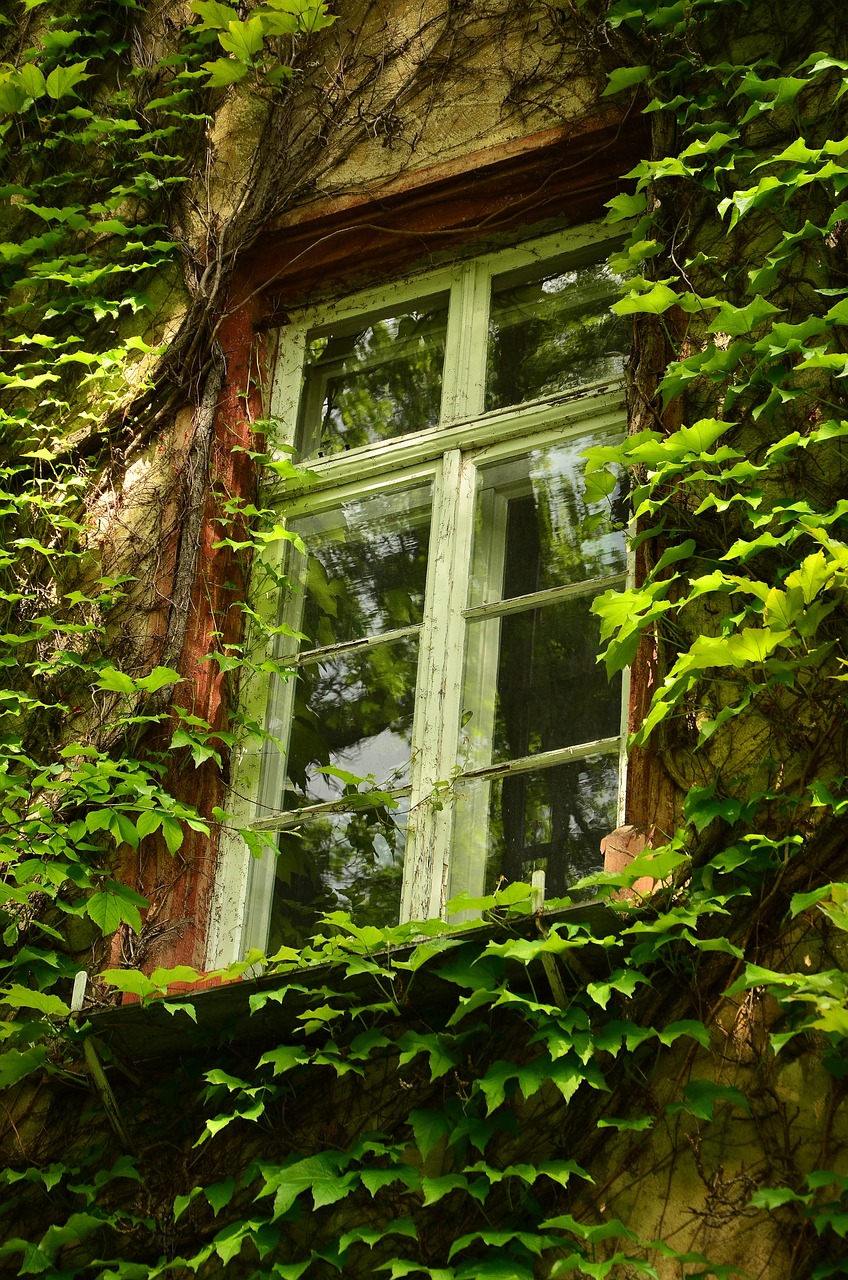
column 362, row 586
column 552, row 820
column 349, row 862
column 380, row 381
column 551, row 692
column 546, row 545
column 551, row 334
column 354, row 711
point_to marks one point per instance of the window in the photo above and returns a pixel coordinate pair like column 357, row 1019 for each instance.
column 437, row 621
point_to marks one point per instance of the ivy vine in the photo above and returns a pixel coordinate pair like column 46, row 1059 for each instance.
column 513, row 1099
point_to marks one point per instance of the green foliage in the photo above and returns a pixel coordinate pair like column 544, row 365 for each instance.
column 457, row 1100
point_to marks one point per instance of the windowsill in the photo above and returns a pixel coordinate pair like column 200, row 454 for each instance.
column 142, row 1032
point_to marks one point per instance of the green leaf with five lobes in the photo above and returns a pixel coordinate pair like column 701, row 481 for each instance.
column 14, row 1064
column 624, row 981
column 131, row 981
column 812, row 576
column 23, row 998
column 740, row 320
column 224, row 71
column 63, row 79
column 626, row 78
column 428, row 1128
column 700, row 1096
column 215, row 16
column 654, row 301
column 283, row 1058
column 441, row 1058
column 625, row 207
column 244, row 39
column 318, row 1174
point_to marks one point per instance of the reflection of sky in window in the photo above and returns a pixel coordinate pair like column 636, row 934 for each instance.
column 386, row 756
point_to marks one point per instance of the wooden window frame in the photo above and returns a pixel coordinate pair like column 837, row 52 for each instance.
column 449, row 454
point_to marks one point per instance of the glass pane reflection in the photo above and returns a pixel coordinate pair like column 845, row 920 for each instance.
column 353, row 712
column 529, row 524
column 373, row 379
column 338, row 862
column 552, row 334
column 366, row 567
column 552, row 820
column 537, row 684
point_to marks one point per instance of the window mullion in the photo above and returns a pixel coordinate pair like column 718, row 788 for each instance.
column 440, row 688
column 274, row 752
column 464, row 374
column 288, row 377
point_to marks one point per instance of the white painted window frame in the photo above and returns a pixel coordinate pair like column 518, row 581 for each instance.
column 449, row 454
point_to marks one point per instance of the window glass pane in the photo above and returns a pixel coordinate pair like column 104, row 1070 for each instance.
column 532, row 684
column 552, row 333
column 366, row 567
column 373, row 378
column 529, row 524
column 338, row 862
column 552, row 820
column 352, row 712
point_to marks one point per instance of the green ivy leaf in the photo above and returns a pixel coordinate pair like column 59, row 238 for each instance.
column 244, row 39
column 219, row 1194
column 626, row 78
column 428, row 1129
column 23, row 998
column 63, row 80
column 114, row 905
column 223, row 72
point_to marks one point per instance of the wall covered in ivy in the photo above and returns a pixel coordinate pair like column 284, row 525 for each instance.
column 650, row 1084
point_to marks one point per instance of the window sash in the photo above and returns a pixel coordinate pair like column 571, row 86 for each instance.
column 450, row 454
